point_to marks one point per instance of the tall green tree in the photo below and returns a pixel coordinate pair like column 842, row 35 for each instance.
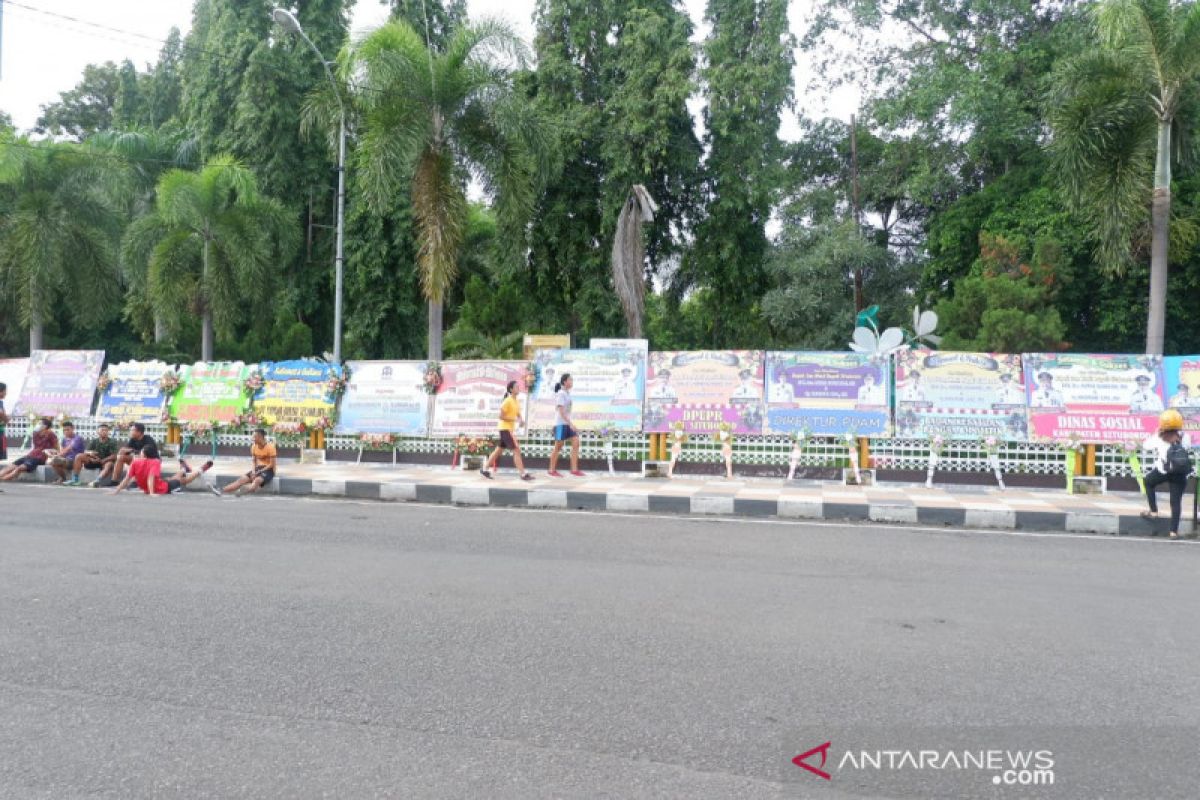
column 747, row 85
column 429, row 118
column 88, row 107
column 59, row 228
column 243, row 90
column 1113, row 114
column 615, row 79
column 211, row 247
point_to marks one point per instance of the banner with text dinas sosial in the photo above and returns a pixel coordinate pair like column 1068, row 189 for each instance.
column 1097, row 398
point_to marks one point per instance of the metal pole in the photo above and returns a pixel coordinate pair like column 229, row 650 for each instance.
column 341, row 224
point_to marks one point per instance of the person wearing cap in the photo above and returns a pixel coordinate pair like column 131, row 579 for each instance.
column 745, row 390
column 1183, row 398
column 1170, row 432
column 627, row 388
column 871, row 392
column 1046, row 396
column 913, row 392
column 1011, row 394
column 1144, row 400
column 663, row 390
column 546, row 387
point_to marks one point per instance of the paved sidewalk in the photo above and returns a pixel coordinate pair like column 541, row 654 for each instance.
column 956, row 506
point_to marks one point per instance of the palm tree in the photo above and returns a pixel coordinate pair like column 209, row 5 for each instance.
column 464, row 341
column 59, row 229
column 149, row 154
column 432, row 118
column 211, row 246
column 1113, row 112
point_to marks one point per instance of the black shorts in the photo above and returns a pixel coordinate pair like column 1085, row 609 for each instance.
column 173, row 485
column 28, row 463
column 507, row 441
column 267, row 475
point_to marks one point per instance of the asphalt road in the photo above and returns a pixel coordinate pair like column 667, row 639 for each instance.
column 275, row 647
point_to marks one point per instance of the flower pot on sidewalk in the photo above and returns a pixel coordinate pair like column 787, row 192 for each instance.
column 309, row 455
column 472, row 463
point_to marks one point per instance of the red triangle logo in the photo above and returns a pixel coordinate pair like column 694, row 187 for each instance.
column 800, row 761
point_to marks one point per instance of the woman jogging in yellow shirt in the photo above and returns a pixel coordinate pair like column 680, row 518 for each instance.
column 510, row 417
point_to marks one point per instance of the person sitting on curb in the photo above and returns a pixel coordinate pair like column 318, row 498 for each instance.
column 138, row 440
column 262, row 472
column 146, row 470
column 44, row 441
column 69, row 449
column 101, row 454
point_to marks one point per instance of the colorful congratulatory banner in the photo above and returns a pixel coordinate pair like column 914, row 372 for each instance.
column 1097, row 398
column 703, row 388
column 470, row 396
column 60, row 382
column 827, row 393
column 211, row 392
column 960, row 395
column 295, row 391
column 608, row 388
column 133, row 393
column 12, row 375
column 385, row 397
column 1183, row 389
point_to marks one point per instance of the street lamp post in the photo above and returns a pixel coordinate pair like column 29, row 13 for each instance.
column 288, row 22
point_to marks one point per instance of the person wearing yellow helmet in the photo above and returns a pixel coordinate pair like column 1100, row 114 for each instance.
column 1171, row 464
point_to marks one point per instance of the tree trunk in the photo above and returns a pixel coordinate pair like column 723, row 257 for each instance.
column 206, row 320
column 35, row 332
column 435, row 330
column 1160, row 224
column 206, row 336
column 160, row 329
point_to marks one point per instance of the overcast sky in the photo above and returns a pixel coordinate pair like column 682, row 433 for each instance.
column 44, row 55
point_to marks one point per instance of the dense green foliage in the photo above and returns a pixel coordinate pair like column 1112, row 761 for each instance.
column 1003, row 170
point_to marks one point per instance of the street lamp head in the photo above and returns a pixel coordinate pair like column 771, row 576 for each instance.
column 286, row 20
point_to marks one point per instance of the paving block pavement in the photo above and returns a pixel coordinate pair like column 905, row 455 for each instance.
column 763, row 498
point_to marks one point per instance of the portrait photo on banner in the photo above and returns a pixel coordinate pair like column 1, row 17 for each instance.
column 1097, row 398
column 703, row 389
column 827, row 393
column 960, row 395
column 607, row 388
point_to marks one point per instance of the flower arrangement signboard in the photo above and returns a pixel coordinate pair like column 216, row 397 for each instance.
column 59, row 382
column 703, row 389
column 959, row 395
column 384, row 397
column 133, row 392
column 470, row 395
column 210, row 392
column 827, row 393
column 1093, row 398
column 296, row 391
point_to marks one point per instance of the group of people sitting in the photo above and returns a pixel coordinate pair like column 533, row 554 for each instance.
column 137, row 461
